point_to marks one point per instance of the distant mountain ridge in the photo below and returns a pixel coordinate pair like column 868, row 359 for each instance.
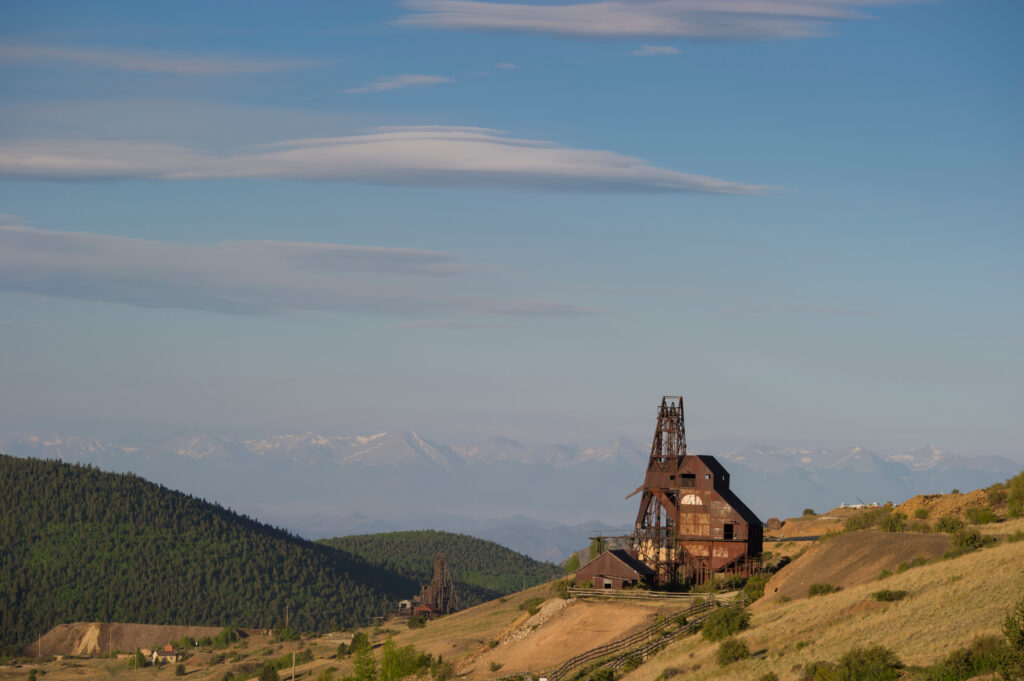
column 537, row 499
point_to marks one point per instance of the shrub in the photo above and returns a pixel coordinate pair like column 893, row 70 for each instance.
column 859, row 664
column 969, row 538
column 754, row 588
column 532, row 605
column 808, row 511
column 919, row 526
column 821, row 588
column 573, row 564
column 884, row 573
column 327, row 674
column 983, row 656
column 768, row 676
column 955, row 491
column 949, row 523
column 866, row 519
column 889, row 595
column 980, row 516
column 492, row 643
column 731, row 650
column 269, row 673
column 894, row 522
column 561, row 588
column 996, row 493
column 921, row 513
column 179, row 670
column 725, row 622
column 1012, row 666
column 1015, row 537
column 668, row 672
column 495, row 666
column 417, row 622
column 784, row 599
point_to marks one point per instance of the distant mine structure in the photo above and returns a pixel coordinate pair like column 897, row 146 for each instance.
column 690, row 525
column 435, row 599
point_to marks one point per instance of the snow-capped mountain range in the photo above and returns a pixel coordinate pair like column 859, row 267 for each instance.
column 534, row 498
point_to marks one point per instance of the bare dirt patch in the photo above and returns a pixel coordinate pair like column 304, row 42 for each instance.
column 852, row 558
column 939, row 505
column 99, row 638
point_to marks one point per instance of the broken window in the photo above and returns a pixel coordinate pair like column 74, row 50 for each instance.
column 687, row 480
column 727, row 531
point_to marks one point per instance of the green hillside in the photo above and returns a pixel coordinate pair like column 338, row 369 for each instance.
column 80, row 544
column 482, row 570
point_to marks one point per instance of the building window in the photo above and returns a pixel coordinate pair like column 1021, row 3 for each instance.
column 687, row 480
column 707, row 476
column 727, row 533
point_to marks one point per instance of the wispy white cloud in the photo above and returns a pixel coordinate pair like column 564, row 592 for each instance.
column 152, row 62
column 625, row 18
column 252, row 277
column 654, row 51
column 507, row 66
column 401, row 81
column 428, row 155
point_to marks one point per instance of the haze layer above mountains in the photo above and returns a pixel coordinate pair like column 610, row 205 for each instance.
column 540, row 500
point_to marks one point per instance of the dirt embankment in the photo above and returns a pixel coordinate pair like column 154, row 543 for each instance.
column 99, row 638
column 939, row 505
column 853, row 558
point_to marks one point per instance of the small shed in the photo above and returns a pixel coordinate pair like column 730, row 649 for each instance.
column 613, row 569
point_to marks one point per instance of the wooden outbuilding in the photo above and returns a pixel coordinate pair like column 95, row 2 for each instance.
column 613, row 569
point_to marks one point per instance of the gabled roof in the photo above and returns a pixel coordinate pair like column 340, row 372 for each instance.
column 629, row 562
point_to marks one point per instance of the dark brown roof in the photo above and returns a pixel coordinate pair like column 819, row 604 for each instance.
column 633, row 563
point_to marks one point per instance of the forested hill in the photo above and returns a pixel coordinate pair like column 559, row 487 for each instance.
column 482, row 570
column 80, row 544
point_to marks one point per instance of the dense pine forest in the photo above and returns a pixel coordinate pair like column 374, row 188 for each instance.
column 482, row 570
column 79, row 544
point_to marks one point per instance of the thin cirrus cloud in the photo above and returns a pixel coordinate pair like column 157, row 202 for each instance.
column 417, row 156
column 654, row 51
column 402, row 81
column 619, row 18
column 151, row 62
column 253, row 277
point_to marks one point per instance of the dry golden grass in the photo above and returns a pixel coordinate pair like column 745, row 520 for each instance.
column 950, row 603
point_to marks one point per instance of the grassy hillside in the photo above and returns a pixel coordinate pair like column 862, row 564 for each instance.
column 79, row 544
column 481, row 569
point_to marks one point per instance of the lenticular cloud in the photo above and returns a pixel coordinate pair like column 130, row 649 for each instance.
column 432, row 156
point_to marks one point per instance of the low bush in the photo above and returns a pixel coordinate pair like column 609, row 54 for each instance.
column 921, row 513
column 949, row 523
column 919, row 526
column 970, row 538
column 996, row 493
column 768, row 676
column 669, row 672
column 889, row 595
column 866, row 519
column 821, row 588
column 731, row 650
column 859, row 664
column 417, row 622
column 754, row 588
column 894, row 522
column 1015, row 537
column 725, row 622
column 495, row 666
column 808, row 511
column 983, row 656
column 980, row 516
column 532, row 605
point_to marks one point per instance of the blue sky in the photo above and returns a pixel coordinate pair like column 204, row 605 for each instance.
column 531, row 220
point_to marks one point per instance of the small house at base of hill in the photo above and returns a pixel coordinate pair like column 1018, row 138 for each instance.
column 613, row 569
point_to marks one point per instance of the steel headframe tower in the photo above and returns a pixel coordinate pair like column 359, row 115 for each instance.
column 654, row 534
